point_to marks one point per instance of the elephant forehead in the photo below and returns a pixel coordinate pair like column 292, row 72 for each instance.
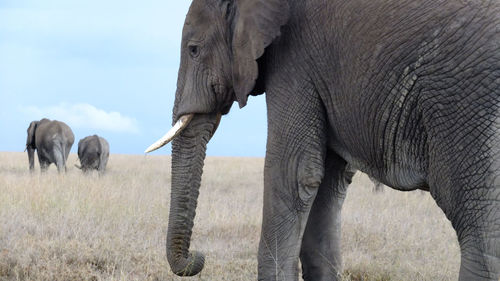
column 199, row 13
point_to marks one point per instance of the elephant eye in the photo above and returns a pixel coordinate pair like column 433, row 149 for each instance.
column 194, row 50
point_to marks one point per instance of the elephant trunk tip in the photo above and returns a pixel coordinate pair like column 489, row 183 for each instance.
column 189, row 266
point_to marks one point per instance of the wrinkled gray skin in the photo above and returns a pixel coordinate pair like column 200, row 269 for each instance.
column 407, row 91
column 52, row 141
column 93, row 152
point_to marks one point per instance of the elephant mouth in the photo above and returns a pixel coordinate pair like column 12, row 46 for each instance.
column 179, row 126
column 224, row 96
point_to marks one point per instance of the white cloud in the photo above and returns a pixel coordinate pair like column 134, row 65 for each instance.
column 82, row 115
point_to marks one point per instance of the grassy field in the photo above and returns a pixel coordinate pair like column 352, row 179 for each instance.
column 76, row 227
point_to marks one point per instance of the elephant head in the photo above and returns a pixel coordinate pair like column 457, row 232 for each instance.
column 30, row 143
column 222, row 42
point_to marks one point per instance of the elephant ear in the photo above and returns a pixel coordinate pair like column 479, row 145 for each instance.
column 257, row 24
column 30, row 140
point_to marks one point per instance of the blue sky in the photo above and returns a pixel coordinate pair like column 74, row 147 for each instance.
column 104, row 67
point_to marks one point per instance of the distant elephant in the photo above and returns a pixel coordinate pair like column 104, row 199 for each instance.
column 407, row 91
column 93, row 152
column 52, row 141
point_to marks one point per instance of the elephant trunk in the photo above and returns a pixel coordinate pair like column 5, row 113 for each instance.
column 188, row 154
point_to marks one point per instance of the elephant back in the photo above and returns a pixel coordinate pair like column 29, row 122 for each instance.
column 90, row 144
column 47, row 131
column 104, row 146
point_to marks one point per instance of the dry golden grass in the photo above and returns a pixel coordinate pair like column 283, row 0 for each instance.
column 76, row 227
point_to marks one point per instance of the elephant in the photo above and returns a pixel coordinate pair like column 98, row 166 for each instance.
column 406, row 91
column 93, row 152
column 52, row 141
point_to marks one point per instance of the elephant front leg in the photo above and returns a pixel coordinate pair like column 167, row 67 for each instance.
column 320, row 253
column 287, row 203
column 294, row 170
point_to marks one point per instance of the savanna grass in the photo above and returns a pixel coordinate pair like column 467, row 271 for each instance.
column 77, row 227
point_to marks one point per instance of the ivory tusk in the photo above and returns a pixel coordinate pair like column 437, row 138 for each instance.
column 170, row 135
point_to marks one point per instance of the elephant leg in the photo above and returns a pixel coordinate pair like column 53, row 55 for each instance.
column 102, row 164
column 478, row 232
column 294, row 169
column 44, row 165
column 66, row 153
column 60, row 168
column 59, row 159
column 475, row 216
column 286, row 210
column 44, row 162
column 320, row 252
column 479, row 239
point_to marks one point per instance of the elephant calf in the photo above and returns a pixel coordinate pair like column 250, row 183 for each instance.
column 52, row 140
column 93, row 152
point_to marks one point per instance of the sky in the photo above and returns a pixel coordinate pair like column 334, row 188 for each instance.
column 107, row 68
